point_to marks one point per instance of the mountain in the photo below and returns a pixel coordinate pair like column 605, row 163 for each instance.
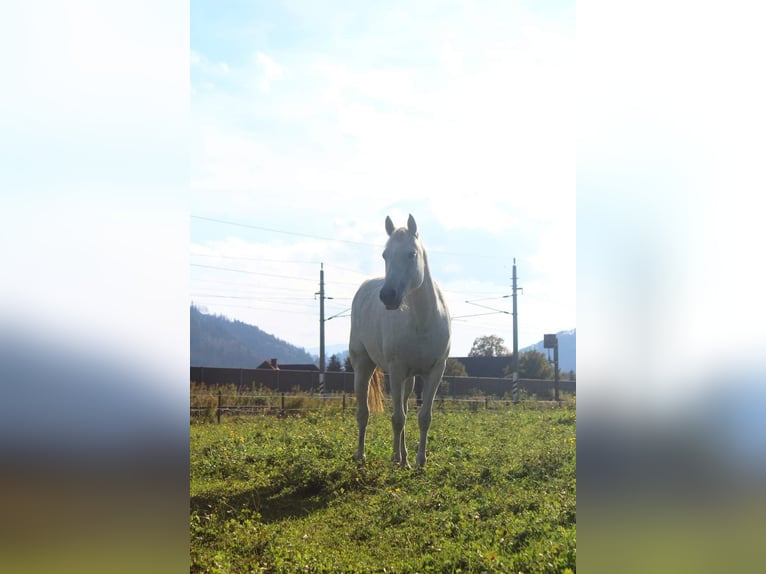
column 216, row 341
column 341, row 350
column 567, row 350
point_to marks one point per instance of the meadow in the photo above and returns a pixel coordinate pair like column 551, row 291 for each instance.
column 282, row 494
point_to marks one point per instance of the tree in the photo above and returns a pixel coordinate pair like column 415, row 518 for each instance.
column 334, row 364
column 535, row 365
column 455, row 369
column 488, row 346
column 347, row 366
column 532, row 365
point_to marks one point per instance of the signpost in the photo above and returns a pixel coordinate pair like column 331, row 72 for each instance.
column 552, row 342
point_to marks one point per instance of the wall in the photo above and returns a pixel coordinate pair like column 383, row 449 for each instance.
column 339, row 382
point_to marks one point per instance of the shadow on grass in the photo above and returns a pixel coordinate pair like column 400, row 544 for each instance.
column 297, row 494
column 272, row 504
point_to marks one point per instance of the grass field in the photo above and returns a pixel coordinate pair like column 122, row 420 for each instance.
column 497, row 494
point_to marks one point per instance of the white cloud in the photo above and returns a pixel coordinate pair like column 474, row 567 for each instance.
column 451, row 55
column 492, row 135
column 270, row 71
column 207, row 67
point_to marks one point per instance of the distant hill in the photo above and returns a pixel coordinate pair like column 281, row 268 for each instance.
column 567, row 350
column 341, row 350
column 216, row 341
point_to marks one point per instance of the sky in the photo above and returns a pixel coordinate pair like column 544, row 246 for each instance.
column 310, row 124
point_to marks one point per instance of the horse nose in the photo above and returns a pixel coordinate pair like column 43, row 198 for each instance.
column 387, row 295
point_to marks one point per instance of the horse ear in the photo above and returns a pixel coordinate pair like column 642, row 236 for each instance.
column 412, row 226
column 389, row 225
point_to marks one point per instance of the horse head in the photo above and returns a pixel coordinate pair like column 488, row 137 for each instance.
column 405, row 263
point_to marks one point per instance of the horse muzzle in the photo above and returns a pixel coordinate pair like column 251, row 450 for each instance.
column 389, row 298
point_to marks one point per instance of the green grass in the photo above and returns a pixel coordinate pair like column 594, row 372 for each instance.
column 275, row 494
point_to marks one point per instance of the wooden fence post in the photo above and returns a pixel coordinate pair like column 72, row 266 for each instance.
column 283, row 404
column 220, row 405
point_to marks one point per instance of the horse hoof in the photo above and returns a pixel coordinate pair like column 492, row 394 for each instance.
column 405, row 464
column 359, row 458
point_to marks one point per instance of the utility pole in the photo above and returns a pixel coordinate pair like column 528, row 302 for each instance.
column 515, row 386
column 321, row 328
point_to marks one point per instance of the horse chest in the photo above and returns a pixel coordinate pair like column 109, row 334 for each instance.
column 416, row 346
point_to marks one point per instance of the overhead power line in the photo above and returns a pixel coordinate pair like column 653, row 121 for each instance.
column 267, row 274
column 271, row 260
column 490, row 308
column 261, row 290
column 259, row 259
column 474, row 315
column 272, row 230
column 307, row 312
column 251, row 272
column 284, row 301
column 349, row 241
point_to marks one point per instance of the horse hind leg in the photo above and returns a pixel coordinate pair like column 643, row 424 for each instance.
column 363, row 369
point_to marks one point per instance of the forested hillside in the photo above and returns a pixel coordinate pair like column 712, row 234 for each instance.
column 216, row 341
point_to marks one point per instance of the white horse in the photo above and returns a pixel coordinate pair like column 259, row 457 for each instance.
column 401, row 324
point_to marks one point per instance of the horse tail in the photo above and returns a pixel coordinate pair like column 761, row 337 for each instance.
column 375, row 396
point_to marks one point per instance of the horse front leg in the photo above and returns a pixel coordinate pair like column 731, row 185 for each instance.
column 430, row 386
column 406, row 392
column 398, row 419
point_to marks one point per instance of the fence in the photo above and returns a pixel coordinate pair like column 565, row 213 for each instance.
column 282, row 381
column 265, row 391
column 213, row 404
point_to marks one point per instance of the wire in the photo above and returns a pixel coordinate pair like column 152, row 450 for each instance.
column 489, row 298
column 260, row 299
column 490, row 308
column 265, row 309
column 285, row 232
column 252, row 272
column 340, row 314
column 331, row 265
column 377, row 245
column 257, row 259
column 293, row 261
column 476, row 315
column 206, row 291
column 249, row 285
column 334, row 266
column 270, row 274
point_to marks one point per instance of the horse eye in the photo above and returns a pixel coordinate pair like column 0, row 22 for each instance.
column 413, row 254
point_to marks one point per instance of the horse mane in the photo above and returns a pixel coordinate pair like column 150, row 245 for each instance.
column 375, row 397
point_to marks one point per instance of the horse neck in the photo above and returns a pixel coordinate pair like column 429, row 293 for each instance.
column 423, row 299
